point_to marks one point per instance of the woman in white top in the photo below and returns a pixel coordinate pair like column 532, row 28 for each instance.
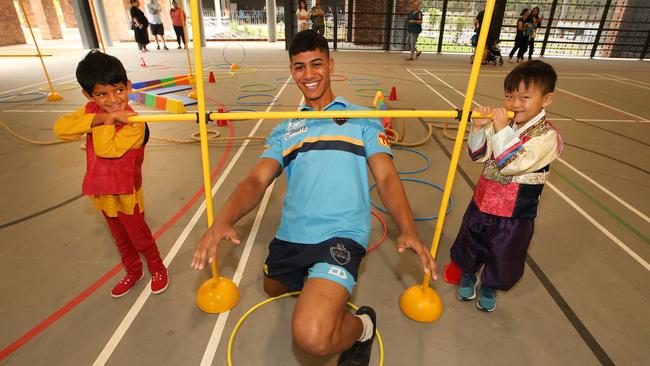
column 303, row 16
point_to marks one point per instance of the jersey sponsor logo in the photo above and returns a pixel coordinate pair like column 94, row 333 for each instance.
column 295, row 128
column 382, row 139
column 338, row 272
column 340, row 254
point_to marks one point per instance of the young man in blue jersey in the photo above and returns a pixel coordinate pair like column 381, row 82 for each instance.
column 325, row 225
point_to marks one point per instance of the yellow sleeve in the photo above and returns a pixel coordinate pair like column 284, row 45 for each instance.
column 109, row 143
column 74, row 125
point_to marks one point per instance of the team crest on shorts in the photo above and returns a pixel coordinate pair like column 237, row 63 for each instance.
column 340, row 254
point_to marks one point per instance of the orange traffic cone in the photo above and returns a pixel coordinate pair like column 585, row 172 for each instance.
column 142, row 63
column 211, row 79
column 393, row 94
column 221, row 122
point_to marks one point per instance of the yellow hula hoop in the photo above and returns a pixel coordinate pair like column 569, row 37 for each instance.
column 220, row 75
column 244, row 70
column 262, row 303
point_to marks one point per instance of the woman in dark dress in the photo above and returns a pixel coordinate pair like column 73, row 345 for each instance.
column 139, row 24
column 521, row 38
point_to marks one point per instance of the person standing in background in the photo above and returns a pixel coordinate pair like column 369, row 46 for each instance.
column 303, row 16
column 155, row 22
column 534, row 22
column 521, row 38
column 178, row 20
column 317, row 16
column 139, row 24
column 414, row 27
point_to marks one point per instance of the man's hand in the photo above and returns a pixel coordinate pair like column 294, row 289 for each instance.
column 408, row 240
column 210, row 242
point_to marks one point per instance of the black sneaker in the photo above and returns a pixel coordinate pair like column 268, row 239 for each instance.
column 359, row 353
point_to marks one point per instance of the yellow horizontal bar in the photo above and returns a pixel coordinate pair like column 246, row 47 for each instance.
column 308, row 114
column 27, row 55
column 156, row 86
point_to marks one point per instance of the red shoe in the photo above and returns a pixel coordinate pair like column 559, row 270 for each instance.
column 125, row 285
column 159, row 281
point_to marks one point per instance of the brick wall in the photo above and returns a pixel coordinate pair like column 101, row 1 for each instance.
column 12, row 32
column 46, row 19
column 68, row 13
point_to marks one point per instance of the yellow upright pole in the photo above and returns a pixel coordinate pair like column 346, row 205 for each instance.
column 218, row 294
column 420, row 302
column 467, row 104
column 53, row 96
column 96, row 22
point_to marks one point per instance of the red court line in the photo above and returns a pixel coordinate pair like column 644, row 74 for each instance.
column 15, row 345
column 604, row 107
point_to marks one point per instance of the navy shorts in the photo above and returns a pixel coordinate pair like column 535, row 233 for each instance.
column 157, row 29
column 336, row 259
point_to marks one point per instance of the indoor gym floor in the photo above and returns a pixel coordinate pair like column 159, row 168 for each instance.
column 583, row 300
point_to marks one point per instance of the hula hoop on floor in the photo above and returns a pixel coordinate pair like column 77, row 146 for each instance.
column 211, row 134
column 244, row 70
column 257, row 88
column 383, row 236
column 426, row 166
column 219, row 75
column 240, row 99
column 337, row 77
column 283, row 80
column 30, row 97
column 449, row 208
column 223, row 54
column 295, row 293
column 241, row 110
column 154, row 67
column 59, row 87
column 359, row 93
column 364, row 82
column 220, row 66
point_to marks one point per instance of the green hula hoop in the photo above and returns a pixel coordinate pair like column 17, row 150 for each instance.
column 257, row 88
column 262, row 303
column 374, row 90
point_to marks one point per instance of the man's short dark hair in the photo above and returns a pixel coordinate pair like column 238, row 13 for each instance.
column 534, row 72
column 100, row 68
column 308, row 40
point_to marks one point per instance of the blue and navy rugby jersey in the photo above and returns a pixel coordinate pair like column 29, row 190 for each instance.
column 326, row 166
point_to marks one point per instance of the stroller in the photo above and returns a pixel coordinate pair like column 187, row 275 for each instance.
column 492, row 54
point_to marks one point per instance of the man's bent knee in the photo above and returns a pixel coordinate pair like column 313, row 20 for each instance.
column 313, row 338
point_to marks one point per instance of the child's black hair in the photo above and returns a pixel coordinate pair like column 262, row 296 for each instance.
column 100, row 68
column 534, row 72
column 308, row 40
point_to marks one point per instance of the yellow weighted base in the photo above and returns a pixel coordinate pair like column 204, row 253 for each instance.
column 54, row 97
column 192, row 95
column 217, row 296
column 421, row 304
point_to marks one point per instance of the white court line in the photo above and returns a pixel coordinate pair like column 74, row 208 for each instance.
column 602, row 104
column 621, row 81
column 594, row 222
column 617, row 198
column 139, row 303
column 452, row 88
column 217, row 331
column 433, row 90
column 628, row 79
column 601, row 228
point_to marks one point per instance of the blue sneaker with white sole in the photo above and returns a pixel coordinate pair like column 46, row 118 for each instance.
column 467, row 288
column 487, row 299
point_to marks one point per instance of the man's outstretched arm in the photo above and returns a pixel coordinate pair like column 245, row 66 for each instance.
column 242, row 200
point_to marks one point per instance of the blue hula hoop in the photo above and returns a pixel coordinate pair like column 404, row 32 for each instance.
column 364, row 82
column 427, row 165
column 29, row 97
column 240, row 99
column 449, row 208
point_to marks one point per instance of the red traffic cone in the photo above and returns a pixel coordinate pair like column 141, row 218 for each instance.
column 393, row 94
column 451, row 273
column 212, row 80
column 142, row 63
column 221, row 122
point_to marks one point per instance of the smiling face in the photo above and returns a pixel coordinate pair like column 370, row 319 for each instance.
column 527, row 102
column 311, row 71
column 110, row 97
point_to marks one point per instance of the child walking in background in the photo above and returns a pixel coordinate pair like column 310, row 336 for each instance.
column 178, row 19
column 114, row 156
column 498, row 224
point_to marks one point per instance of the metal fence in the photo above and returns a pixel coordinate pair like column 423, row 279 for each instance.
column 574, row 28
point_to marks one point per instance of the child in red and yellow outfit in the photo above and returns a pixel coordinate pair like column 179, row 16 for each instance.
column 114, row 156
